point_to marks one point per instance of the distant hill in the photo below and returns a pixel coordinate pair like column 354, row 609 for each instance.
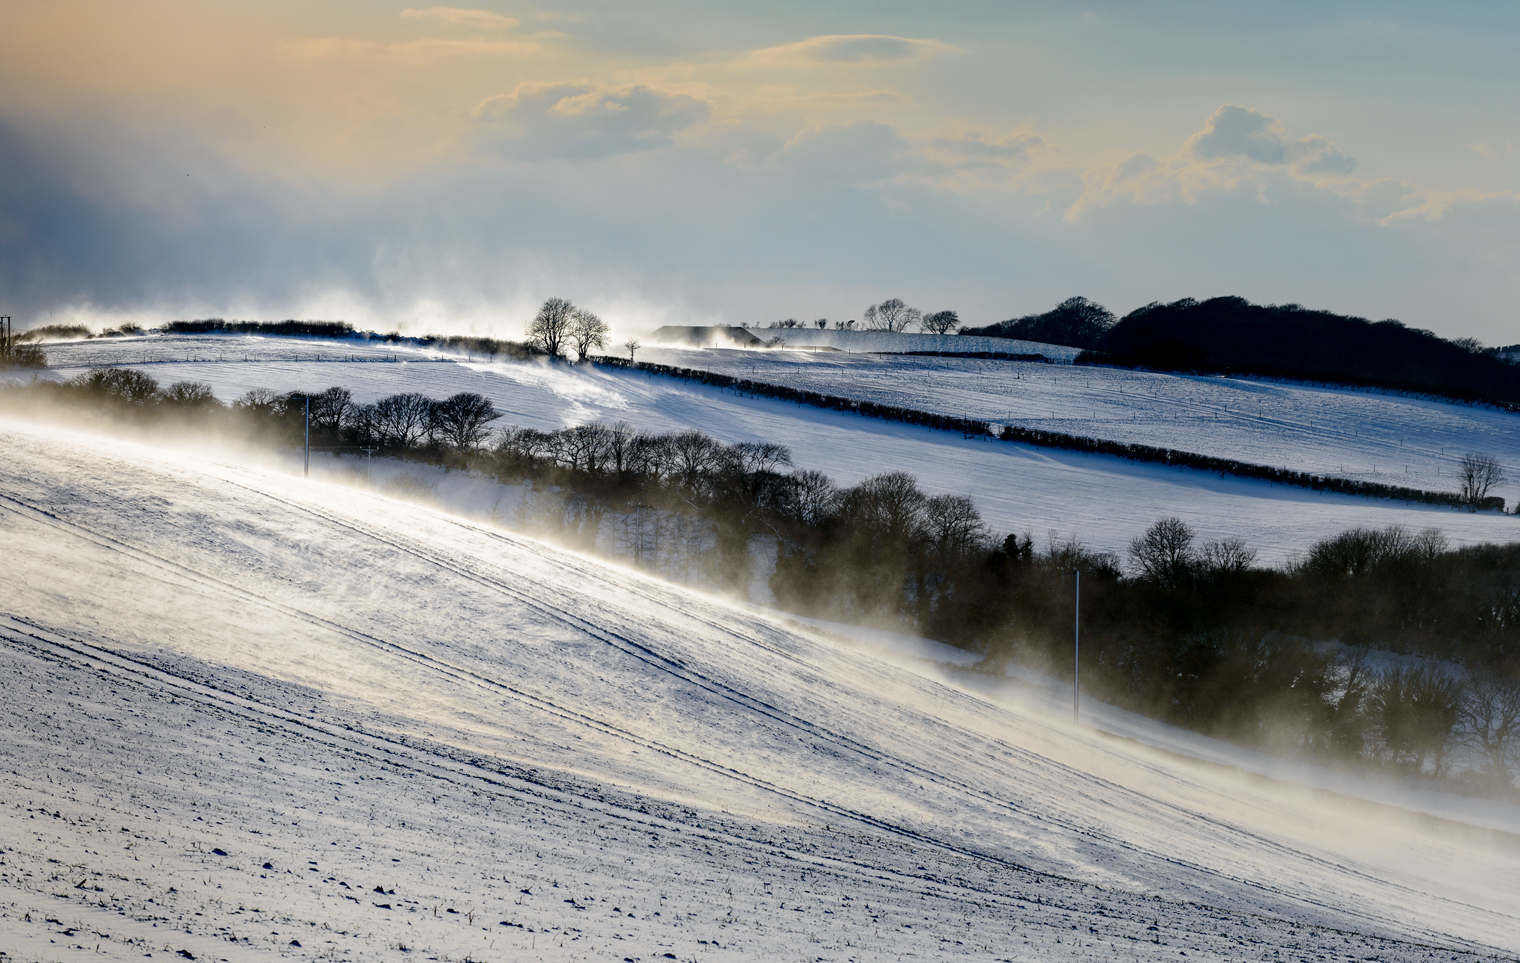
column 1075, row 322
column 1230, row 334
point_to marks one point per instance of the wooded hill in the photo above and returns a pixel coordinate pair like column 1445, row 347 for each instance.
column 1232, row 335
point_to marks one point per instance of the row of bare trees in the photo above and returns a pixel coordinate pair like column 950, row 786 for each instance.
column 896, row 316
column 893, row 315
column 459, row 424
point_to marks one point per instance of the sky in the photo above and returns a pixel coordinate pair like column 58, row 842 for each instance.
column 448, row 168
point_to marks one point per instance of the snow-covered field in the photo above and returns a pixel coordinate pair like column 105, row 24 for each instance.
column 884, row 342
column 1384, row 437
column 1102, row 501
column 249, row 716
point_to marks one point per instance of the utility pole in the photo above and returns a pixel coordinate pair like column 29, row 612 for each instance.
column 1076, row 655
column 306, row 463
column 6, row 337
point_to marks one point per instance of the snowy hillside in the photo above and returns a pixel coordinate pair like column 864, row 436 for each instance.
column 1103, row 501
column 885, row 342
column 250, row 717
column 1374, row 436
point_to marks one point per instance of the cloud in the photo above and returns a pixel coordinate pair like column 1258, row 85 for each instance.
column 1235, row 132
column 407, row 53
column 1238, row 149
column 582, row 120
column 859, row 154
column 483, row 20
column 974, row 148
column 851, row 49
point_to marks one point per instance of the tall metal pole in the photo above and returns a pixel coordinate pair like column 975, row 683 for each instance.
column 307, row 469
column 1076, row 655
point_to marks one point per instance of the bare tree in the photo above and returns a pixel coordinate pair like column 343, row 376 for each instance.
column 402, row 419
column 814, row 497
column 822, row 323
column 257, row 399
column 955, row 527
column 891, row 315
column 125, row 386
column 620, row 441
column 1490, row 718
column 191, row 394
column 551, row 327
column 692, row 455
column 462, row 418
column 1228, row 556
column 1165, row 553
column 632, row 345
column 888, row 509
column 587, row 331
column 942, row 322
column 1415, row 709
column 331, row 408
column 1479, row 473
column 586, row 447
column 761, row 456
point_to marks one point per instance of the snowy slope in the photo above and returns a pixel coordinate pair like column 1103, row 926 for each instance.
column 1384, row 437
column 211, row 668
column 1102, row 501
column 884, row 342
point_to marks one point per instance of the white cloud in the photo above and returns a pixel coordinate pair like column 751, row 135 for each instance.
column 584, row 120
column 851, row 49
column 483, row 20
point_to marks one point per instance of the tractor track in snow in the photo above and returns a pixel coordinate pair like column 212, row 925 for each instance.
column 678, row 669
column 716, row 688
column 433, row 762
column 722, row 690
column 473, row 677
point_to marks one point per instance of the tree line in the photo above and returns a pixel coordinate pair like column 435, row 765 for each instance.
column 1381, row 648
column 893, row 315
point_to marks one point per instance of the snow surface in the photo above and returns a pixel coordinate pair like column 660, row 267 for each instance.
column 246, row 711
column 1102, row 501
column 1385, row 437
column 884, row 342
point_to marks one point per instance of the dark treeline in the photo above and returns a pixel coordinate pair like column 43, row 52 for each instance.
column 488, row 348
column 1230, row 335
column 54, row 332
column 983, row 355
column 972, row 428
column 316, row 329
column 1380, row 648
column 1075, row 322
column 1233, row 335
